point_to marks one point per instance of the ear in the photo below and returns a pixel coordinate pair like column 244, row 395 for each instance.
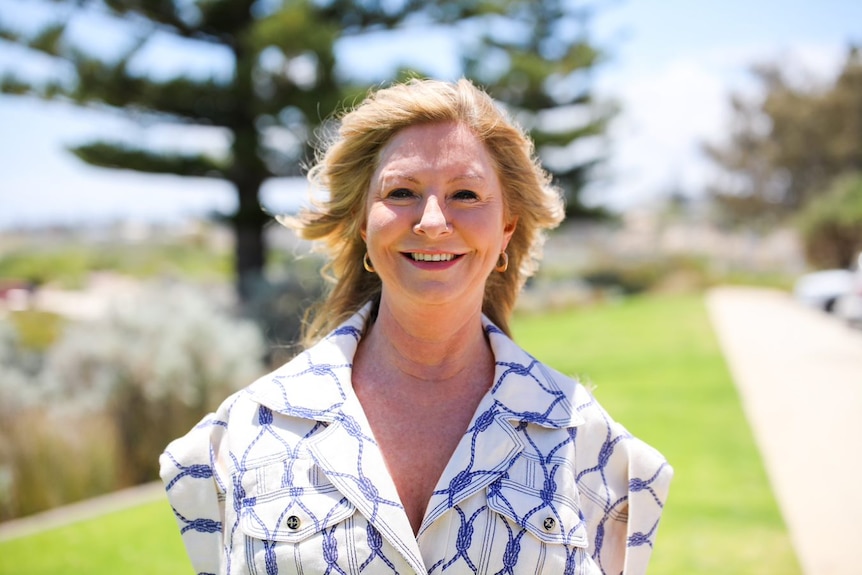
column 508, row 230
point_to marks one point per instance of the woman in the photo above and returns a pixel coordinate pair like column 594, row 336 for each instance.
column 412, row 435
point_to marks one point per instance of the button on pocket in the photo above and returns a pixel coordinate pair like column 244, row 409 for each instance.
column 553, row 518
column 293, row 523
column 292, row 514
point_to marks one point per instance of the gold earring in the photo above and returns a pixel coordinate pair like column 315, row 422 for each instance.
column 366, row 263
column 502, row 262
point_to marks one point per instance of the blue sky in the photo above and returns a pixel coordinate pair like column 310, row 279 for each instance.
column 673, row 64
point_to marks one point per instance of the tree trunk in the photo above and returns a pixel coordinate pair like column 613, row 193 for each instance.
column 250, row 247
column 248, row 172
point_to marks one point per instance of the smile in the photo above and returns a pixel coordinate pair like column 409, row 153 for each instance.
column 432, row 257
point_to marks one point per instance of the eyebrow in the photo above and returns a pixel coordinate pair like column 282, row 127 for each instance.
column 470, row 176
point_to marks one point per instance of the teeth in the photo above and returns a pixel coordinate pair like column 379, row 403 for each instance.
column 432, row 257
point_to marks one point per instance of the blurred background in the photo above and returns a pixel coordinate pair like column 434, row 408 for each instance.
column 145, row 147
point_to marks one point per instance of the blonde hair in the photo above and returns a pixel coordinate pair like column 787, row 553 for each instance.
column 345, row 169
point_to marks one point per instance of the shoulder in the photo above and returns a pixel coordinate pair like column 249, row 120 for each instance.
column 622, row 481
column 605, row 448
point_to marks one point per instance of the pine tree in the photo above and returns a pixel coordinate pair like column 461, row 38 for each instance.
column 283, row 78
column 537, row 59
column 533, row 56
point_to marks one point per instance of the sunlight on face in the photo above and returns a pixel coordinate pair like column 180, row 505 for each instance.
column 435, row 217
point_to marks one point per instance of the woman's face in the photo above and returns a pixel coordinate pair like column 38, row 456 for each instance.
column 435, row 223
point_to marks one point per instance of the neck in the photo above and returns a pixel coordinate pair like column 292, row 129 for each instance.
column 430, row 345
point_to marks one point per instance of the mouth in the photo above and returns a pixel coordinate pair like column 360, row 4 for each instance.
column 438, row 257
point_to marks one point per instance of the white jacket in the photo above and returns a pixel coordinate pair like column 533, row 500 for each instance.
column 286, row 478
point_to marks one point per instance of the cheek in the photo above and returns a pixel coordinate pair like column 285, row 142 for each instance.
column 382, row 238
column 488, row 229
column 379, row 222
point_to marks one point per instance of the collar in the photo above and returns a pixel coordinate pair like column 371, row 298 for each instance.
column 317, row 383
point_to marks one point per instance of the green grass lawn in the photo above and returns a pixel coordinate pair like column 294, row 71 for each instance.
column 143, row 540
column 654, row 364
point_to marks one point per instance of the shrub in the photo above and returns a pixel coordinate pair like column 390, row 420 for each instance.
column 154, row 365
column 37, row 330
column 831, row 225
column 24, row 432
column 18, row 366
column 50, row 459
column 92, row 413
column 660, row 274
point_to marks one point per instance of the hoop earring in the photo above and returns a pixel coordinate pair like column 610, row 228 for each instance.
column 502, row 262
column 366, row 263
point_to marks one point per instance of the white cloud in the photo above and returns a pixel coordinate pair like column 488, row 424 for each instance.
column 655, row 139
column 669, row 112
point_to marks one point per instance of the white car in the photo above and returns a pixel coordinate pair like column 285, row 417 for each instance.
column 824, row 288
column 849, row 305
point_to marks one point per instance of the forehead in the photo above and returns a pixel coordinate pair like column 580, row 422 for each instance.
column 435, row 147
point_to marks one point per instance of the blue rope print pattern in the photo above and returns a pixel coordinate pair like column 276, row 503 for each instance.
column 463, row 541
column 520, row 506
column 375, row 543
column 635, row 485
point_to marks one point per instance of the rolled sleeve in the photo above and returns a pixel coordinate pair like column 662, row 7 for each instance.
column 625, row 483
column 194, row 486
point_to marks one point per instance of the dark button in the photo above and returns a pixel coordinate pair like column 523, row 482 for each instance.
column 292, row 522
column 549, row 523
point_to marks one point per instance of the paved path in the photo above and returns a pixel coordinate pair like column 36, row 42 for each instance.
column 799, row 374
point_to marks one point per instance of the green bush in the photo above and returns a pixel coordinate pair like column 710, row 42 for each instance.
column 66, row 266
column 155, row 364
column 639, row 276
column 831, row 225
column 69, row 264
column 92, row 412
column 37, row 330
column 49, row 459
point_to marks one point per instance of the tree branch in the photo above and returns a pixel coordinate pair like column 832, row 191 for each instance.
column 122, row 157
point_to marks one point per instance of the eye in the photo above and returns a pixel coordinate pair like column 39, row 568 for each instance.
column 465, row 195
column 400, row 194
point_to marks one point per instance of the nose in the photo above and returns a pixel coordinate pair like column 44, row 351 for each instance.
column 432, row 221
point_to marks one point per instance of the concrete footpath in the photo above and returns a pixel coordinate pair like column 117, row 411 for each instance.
column 799, row 375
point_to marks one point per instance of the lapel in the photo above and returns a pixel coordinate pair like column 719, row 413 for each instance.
column 317, row 385
column 351, row 460
column 524, row 392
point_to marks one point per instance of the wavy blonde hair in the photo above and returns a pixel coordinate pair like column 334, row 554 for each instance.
column 345, row 167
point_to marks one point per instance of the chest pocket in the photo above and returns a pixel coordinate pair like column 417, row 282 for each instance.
column 293, row 514
column 289, row 514
column 551, row 516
